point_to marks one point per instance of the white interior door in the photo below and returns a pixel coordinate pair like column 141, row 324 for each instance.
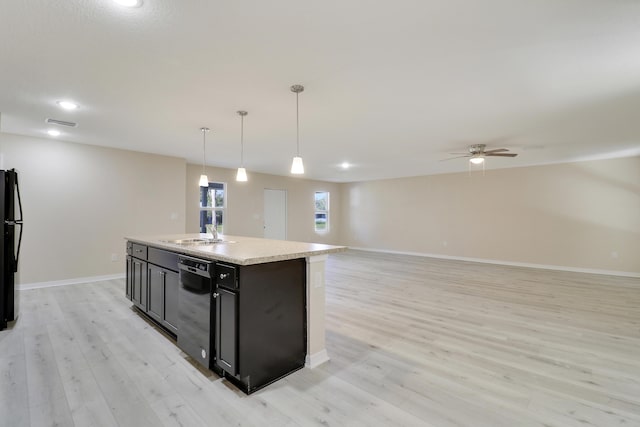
column 275, row 214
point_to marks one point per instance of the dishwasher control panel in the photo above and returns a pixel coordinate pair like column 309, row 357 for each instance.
column 195, row 265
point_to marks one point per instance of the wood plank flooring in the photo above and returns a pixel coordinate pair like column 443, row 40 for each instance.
column 413, row 342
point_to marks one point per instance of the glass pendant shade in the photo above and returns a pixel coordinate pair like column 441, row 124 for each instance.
column 297, row 168
column 241, row 175
column 204, row 181
column 477, row 160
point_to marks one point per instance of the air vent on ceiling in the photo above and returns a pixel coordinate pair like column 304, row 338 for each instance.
column 61, row 123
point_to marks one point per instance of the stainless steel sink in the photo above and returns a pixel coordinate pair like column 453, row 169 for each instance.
column 195, row 242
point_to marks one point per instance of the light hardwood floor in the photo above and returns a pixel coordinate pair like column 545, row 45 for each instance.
column 413, row 342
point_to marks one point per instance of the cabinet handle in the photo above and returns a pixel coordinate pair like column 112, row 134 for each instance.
column 216, row 295
column 224, row 275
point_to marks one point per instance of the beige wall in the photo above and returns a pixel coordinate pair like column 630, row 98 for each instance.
column 245, row 204
column 581, row 215
column 80, row 201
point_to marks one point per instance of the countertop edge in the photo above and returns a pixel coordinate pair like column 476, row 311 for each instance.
column 250, row 260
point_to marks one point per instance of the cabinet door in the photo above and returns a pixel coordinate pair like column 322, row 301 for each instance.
column 129, row 279
column 139, row 284
column 226, row 330
column 156, row 277
column 171, row 285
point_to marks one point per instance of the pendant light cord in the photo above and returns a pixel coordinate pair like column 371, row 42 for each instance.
column 204, row 138
column 297, row 126
column 242, row 140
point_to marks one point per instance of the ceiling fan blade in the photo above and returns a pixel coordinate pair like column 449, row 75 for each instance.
column 496, row 150
column 452, row 158
column 500, row 154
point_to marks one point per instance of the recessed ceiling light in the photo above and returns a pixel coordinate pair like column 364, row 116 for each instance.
column 67, row 105
column 129, row 3
column 53, row 132
column 345, row 165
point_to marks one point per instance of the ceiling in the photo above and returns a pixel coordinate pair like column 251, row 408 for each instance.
column 391, row 87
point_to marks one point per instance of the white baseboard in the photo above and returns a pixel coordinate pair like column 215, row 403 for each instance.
column 37, row 285
column 316, row 359
column 510, row 263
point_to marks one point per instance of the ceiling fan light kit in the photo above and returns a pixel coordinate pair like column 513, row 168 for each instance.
column 478, row 152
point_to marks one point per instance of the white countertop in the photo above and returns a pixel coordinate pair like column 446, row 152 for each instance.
column 238, row 249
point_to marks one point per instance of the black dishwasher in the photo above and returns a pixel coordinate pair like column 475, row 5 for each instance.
column 194, row 308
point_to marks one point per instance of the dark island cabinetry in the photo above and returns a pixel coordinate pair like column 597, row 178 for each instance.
column 259, row 321
column 137, row 274
column 163, row 288
column 152, row 283
column 255, row 316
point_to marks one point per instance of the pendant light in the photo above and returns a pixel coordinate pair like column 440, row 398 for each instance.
column 204, row 181
column 297, row 167
column 242, row 172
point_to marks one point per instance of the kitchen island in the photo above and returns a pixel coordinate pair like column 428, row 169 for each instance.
column 265, row 301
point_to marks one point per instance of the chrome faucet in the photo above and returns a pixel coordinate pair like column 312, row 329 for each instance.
column 214, row 228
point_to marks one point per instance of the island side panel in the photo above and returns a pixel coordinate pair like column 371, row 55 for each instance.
column 316, row 351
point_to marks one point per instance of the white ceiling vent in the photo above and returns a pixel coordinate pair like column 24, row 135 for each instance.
column 61, row 123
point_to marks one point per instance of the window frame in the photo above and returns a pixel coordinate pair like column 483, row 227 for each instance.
column 325, row 212
column 213, row 209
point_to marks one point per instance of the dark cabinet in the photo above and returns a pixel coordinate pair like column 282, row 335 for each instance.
column 156, row 278
column 129, row 277
column 136, row 281
column 227, row 331
column 139, row 251
column 163, row 296
column 260, row 321
column 152, row 283
column 171, row 285
column 139, row 283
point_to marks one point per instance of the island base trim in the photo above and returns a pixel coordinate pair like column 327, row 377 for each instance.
column 316, row 359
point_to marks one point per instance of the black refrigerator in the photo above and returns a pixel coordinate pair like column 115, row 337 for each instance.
column 11, row 211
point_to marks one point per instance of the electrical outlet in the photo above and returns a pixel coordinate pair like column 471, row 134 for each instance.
column 114, row 257
column 614, row 254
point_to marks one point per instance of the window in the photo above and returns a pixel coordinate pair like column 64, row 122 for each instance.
column 212, row 206
column 322, row 211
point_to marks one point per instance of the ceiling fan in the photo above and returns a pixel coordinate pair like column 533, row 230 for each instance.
column 477, row 153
